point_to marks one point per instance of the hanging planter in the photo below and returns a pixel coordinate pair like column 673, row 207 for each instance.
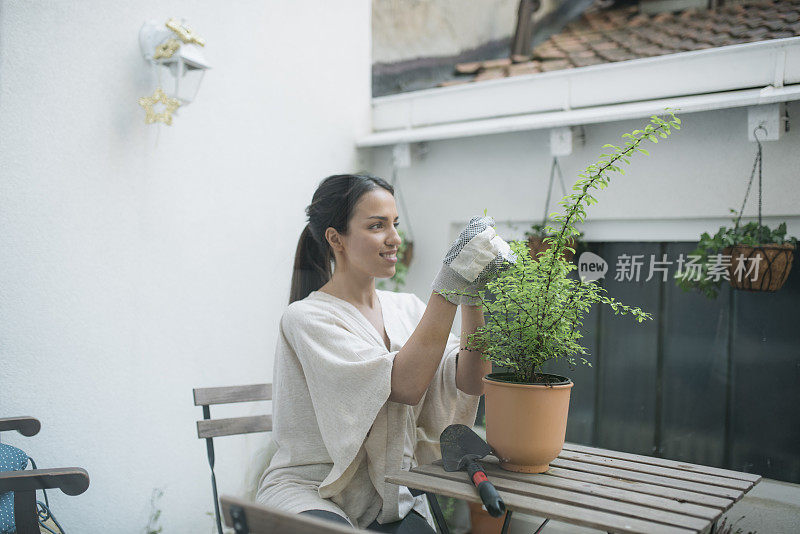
column 537, row 245
column 751, row 257
column 405, row 252
column 537, row 233
column 775, row 262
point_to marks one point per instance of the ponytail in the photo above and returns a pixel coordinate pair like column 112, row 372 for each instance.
column 312, row 266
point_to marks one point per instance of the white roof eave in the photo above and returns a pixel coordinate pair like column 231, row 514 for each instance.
column 718, row 78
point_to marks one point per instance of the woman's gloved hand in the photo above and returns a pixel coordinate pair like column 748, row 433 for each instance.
column 473, row 259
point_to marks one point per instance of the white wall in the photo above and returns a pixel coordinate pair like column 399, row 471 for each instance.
column 684, row 187
column 138, row 263
column 408, row 29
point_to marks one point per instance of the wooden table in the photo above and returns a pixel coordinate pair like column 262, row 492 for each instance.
column 603, row 489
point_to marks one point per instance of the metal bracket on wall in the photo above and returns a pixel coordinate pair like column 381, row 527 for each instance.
column 565, row 139
column 772, row 120
column 401, row 156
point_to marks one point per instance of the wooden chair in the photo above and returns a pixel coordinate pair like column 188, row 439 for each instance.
column 70, row 480
column 251, row 518
column 209, row 429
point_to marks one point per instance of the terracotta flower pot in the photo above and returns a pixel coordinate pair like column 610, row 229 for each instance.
column 526, row 423
column 774, row 264
column 481, row 522
column 537, row 245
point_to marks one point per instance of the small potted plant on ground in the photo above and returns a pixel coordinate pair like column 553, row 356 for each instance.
column 534, row 315
column 751, row 257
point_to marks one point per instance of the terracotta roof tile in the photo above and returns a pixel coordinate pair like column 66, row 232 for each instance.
column 491, row 74
column 622, row 33
column 531, row 67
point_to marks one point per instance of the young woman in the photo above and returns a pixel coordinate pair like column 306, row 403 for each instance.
column 366, row 380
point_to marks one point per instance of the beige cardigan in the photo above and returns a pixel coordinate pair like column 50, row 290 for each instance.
column 336, row 433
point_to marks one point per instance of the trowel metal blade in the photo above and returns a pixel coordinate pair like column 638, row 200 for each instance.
column 460, row 444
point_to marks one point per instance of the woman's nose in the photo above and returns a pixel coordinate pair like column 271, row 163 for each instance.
column 395, row 237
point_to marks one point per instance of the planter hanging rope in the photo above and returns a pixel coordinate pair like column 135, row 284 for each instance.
column 774, row 261
column 536, row 244
column 555, row 166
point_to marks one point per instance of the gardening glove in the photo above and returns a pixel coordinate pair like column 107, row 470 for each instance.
column 473, row 259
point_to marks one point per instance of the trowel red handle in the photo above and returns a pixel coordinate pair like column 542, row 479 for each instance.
column 494, row 504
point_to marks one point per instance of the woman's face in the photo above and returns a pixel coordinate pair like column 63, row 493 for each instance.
column 371, row 243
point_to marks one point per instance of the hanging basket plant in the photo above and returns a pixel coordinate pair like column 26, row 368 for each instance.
column 751, row 257
column 538, row 244
column 775, row 262
column 538, row 234
column 405, row 252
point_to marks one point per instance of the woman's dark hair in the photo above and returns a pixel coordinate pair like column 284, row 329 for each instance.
column 331, row 206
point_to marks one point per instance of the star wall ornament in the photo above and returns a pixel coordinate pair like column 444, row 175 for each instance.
column 185, row 33
column 159, row 97
column 166, row 49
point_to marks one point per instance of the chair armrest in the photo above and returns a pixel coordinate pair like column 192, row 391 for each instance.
column 70, row 480
column 267, row 520
column 25, row 425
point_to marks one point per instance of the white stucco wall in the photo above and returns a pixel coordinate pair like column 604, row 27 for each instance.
column 137, row 264
column 686, row 185
column 408, row 29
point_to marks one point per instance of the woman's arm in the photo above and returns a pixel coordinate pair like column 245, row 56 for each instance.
column 471, row 368
column 416, row 363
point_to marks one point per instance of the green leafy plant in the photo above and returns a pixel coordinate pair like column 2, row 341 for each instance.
column 398, row 281
column 155, row 513
column 448, row 507
column 537, row 308
column 697, row 275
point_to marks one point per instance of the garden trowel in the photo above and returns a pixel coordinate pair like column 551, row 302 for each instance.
column 461, row 447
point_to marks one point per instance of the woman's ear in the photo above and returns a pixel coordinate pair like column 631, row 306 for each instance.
column 334, row 239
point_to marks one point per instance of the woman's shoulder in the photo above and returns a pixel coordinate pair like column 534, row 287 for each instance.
column 301, row 311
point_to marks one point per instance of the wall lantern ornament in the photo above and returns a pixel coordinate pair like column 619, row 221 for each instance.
column 173, row 50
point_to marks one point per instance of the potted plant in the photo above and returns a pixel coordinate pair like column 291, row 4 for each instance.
column 534, row 316
column 752, row 257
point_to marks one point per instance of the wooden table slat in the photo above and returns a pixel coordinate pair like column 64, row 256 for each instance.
column 640, row 467
column 676, row 503
column 566, row 496
column 695, row 468
column 652, row 479
column 605, row 521
column 720, row 503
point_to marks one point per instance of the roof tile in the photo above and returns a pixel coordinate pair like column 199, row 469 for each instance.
column 604, row 35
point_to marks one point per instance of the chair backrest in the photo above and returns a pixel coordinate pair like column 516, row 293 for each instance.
column 247, row 517
column 209, row 429
column 212, row 428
